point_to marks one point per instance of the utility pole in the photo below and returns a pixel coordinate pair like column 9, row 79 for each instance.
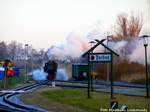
column 109, row 37
column 26, row 59
column 92, row 67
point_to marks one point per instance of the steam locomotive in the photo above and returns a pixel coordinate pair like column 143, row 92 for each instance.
column 50, row 67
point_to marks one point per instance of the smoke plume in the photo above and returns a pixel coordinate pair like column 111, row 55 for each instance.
column 72, row 48
column 39, row 75
column 76, row 44
column 118, row 46
column 138, row 55
column 61, row 75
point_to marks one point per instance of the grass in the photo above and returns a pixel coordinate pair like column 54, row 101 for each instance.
column 78, row 99
column 73, row 97
column 13, row 82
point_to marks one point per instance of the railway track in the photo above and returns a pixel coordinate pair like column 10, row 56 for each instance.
column 101, row 86
column 9, row 105
column 96, row 83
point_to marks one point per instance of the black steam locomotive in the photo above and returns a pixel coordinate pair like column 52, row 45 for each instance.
column 51, row 68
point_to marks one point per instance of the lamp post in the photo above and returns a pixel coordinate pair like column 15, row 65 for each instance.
column 26, row 59
column 92, row 67
column 109, row 38
column 145, row 43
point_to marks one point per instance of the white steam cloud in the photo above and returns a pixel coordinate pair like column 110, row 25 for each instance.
column 39, row 75
column 118, row 46
column 134, row 50
column 138, row 55
column 74, row 46
column 61, row 75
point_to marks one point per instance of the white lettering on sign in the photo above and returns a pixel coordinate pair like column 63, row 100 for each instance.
column 100, row 58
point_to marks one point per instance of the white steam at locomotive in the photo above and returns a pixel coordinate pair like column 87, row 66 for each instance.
column 50, row 71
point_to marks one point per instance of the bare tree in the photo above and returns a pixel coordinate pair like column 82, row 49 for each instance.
column 3, row 51
column 128, row 27
column 12, row 49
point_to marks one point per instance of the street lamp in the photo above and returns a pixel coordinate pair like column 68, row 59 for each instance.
column 26, row 59
column 145, row 43
column 92, row 66
column 108, row 38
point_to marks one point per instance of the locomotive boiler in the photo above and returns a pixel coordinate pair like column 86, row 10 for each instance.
column 50, row 67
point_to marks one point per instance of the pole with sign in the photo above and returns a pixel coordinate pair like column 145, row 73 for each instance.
column 103, row 58
column 111, row 78
column 100, row 58
column 89, row 78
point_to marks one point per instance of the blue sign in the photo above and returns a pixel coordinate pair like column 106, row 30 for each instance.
column 100, row 57
column 2, row 72
column 16, row 71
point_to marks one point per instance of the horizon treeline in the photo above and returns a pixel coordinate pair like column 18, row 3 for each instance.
column 21, row 54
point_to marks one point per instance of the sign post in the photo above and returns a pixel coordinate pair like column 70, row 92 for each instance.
column 112, row 79
column 103, row 58
column 89, row 78
column 100, row 58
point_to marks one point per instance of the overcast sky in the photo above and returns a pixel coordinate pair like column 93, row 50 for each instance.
column 43, row 23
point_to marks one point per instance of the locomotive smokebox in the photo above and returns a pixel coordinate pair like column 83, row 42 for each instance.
column 51, row 68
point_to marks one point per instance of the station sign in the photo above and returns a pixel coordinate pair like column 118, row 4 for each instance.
column 100, row 57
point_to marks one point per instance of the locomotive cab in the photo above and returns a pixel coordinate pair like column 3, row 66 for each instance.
column 51, row 68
